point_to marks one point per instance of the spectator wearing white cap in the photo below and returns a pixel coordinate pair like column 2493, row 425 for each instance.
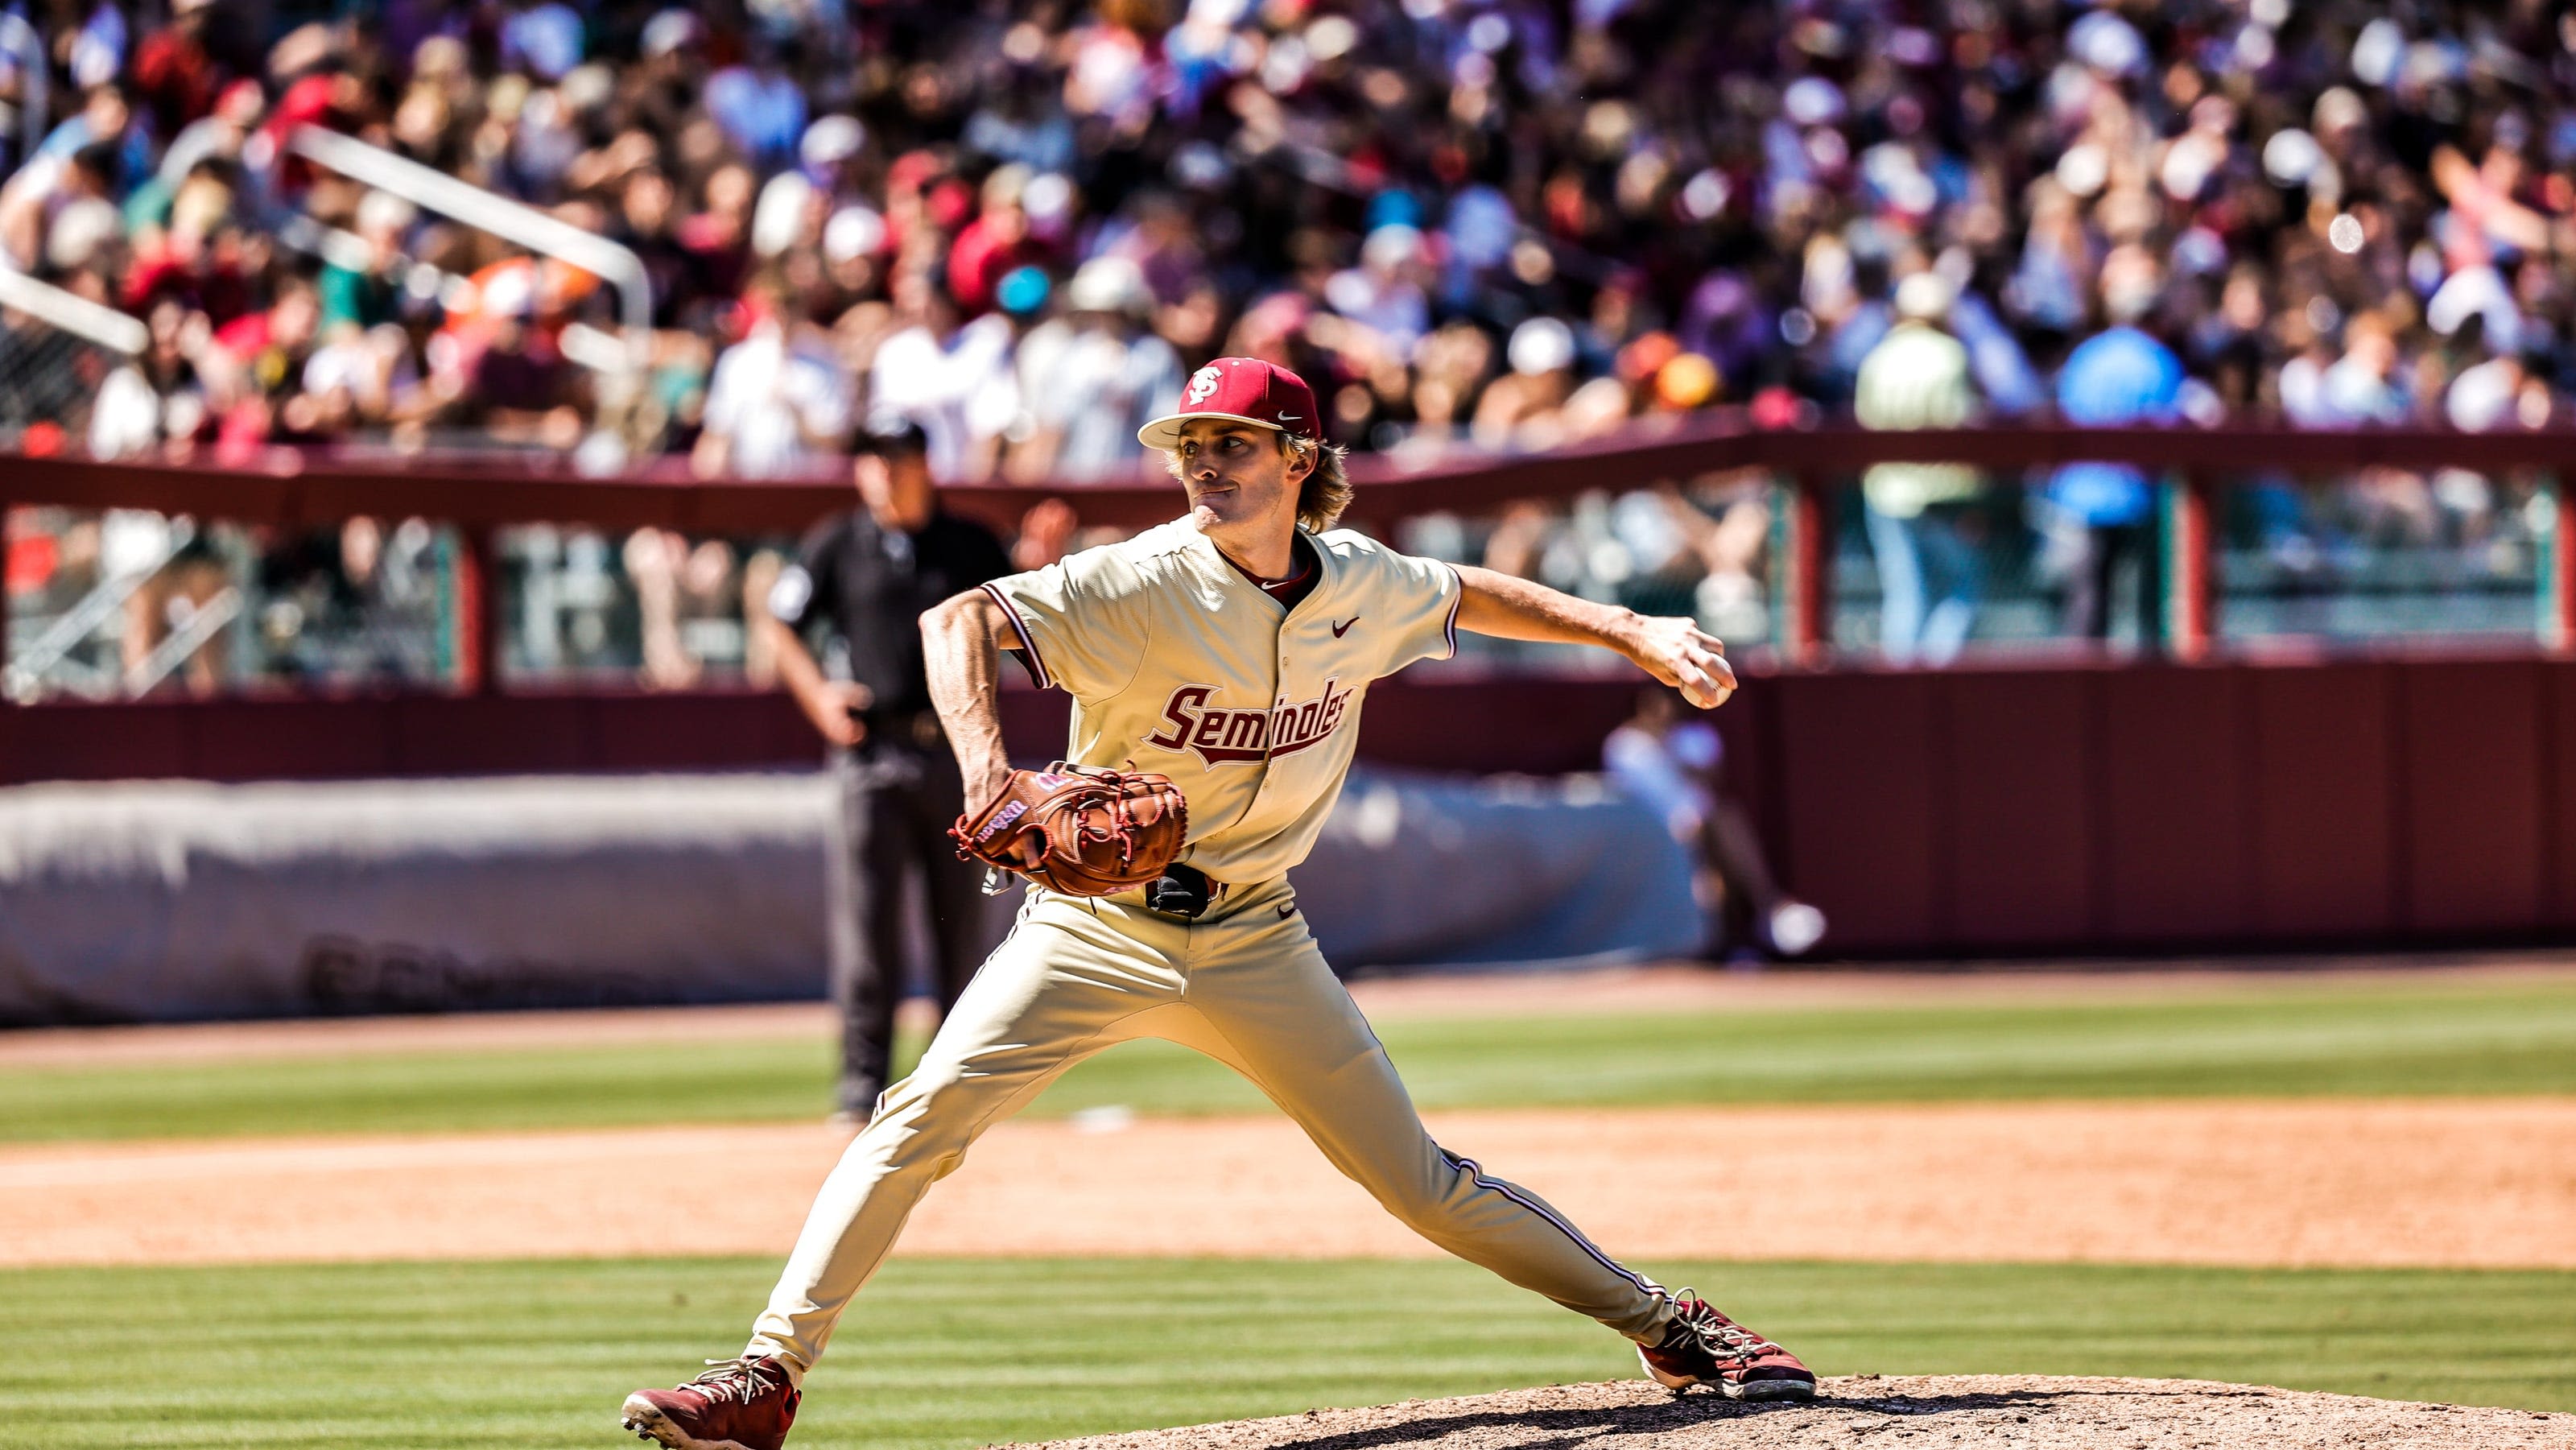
column 670, row 32
column 830, row 153
column 1092, row 376
column 1519, row 409
column 852, row 240
column 1928, row 570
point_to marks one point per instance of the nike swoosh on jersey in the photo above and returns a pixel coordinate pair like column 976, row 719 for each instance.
column 1287, row 911
column 1344, row 627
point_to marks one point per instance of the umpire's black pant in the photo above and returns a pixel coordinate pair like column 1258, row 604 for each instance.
column 897, row 803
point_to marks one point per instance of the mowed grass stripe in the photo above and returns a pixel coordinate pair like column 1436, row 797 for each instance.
column 2406, row 1038
column 961, row 1353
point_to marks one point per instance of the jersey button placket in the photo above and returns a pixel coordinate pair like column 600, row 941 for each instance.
column 1279, row 698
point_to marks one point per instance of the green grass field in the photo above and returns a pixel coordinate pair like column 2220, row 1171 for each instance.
column 956, row 1353
column 2402, row 1037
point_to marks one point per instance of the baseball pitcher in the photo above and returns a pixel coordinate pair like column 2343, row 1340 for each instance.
column 1223, row 658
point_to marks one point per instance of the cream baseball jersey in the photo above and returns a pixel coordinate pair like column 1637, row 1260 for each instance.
column 1179, row 663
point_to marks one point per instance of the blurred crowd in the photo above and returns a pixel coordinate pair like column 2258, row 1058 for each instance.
column 1494, row 223
column 1510, row 222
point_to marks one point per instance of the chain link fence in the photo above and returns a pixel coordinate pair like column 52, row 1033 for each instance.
column 50, row 383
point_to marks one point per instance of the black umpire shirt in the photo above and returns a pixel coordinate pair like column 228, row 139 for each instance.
column 872, row 585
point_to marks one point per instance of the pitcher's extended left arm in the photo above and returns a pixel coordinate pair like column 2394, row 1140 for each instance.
column 1672, row 650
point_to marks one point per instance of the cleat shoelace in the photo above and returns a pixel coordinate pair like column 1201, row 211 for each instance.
column 738, row 1379
column 1725, row 1340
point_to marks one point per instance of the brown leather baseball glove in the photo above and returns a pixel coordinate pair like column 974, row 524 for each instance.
column 1077, row 829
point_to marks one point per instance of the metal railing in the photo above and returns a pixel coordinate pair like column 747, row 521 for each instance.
column 199, row 629
column 2201, row 464
column 1812, row 472
column 41, row 381
column 51, row 371
column 583, row 345
column 73, row 313
column 509, row 220
column 48, row 654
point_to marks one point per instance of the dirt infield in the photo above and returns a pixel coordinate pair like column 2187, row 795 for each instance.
column 1661, row 988
column 2488, row 1182
column 1884, row 1411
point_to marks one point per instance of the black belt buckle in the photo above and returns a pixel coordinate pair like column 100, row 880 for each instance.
column 1182, row 891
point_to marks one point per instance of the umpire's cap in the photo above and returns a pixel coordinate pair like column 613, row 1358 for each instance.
column 891, row 435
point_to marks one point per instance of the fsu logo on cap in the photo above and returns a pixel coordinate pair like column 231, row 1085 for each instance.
column 1245, row 389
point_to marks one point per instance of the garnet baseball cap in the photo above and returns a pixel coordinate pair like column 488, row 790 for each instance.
column 1245, row 389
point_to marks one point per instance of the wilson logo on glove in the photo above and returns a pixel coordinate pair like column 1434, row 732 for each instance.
column 1010, row 815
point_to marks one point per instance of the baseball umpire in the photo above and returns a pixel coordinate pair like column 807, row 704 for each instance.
column 1227, row 653
column 863, row 580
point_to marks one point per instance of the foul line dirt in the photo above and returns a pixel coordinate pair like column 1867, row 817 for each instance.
column 2368, row 1183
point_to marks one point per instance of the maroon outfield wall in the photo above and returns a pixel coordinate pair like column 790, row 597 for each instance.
column 1974, row 810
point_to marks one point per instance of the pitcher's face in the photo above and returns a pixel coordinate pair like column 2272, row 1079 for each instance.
column 1238, row 476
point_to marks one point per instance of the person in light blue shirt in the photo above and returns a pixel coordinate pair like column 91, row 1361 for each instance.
column 2123, row 375
column 759, row 106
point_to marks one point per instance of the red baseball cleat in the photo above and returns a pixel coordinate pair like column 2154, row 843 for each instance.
column 1704, row 1347
column 740, row 1404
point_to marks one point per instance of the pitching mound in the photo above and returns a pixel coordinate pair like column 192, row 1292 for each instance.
column 1883, row 1412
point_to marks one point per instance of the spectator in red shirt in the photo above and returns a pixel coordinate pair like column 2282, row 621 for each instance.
column 994, row 244
column 174, row 77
